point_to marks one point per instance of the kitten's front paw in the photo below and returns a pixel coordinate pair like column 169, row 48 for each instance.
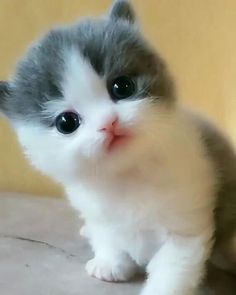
column 108, row 271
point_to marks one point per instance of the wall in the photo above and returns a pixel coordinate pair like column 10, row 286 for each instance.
column 196, row 36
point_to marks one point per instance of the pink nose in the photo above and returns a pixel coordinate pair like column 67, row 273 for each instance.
column 111, row 125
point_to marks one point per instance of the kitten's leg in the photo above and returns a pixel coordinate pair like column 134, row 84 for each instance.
column 178, row 267
column 110, row 263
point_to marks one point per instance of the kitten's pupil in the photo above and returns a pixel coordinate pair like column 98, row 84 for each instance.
column 67, row 122
column 122, row 88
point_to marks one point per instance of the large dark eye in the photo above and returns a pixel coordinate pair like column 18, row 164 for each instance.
column 67, row 122
column 122, row 88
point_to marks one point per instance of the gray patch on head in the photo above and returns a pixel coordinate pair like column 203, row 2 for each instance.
column 37, row 79
column 116, row 48
column 112, row 45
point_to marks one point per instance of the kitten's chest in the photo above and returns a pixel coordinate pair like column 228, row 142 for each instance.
column 143, row 243
column 130, row 204
column 133, row 215
column 126, row 204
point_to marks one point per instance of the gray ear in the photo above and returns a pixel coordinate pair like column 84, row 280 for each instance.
column 4, row 92
column 122, row 9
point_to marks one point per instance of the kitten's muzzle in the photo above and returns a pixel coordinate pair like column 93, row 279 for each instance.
column 115, row 136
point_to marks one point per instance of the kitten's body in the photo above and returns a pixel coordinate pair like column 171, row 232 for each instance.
column 161, row 201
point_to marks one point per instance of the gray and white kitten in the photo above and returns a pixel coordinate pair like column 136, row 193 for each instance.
column 94, row 107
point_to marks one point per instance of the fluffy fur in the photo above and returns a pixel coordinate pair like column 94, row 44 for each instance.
column 166, row 201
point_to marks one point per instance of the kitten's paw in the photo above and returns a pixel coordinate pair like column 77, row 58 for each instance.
column 110, row 272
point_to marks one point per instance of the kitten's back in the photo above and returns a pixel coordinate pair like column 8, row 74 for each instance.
column 222, row 267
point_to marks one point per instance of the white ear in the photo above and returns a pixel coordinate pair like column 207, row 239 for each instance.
column 122, row 9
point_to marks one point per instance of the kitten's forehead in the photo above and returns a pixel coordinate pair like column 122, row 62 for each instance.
column 115, row 47
column 102, row 48
column 81, row 84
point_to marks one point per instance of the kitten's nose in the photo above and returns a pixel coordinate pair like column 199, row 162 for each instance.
column 111, row 125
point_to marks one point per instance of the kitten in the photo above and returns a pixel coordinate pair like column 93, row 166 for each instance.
column 95, row 108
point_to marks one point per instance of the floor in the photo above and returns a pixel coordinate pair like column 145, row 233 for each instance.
column 41, row 252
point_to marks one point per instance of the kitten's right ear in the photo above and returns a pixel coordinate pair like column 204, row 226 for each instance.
column 122, row 9
column 4, row 93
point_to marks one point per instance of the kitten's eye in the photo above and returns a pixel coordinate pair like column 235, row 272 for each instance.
column 67, row 122
column 122, row 88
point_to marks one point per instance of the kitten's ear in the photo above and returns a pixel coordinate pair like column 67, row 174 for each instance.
column 122, row 9
column 4, row 92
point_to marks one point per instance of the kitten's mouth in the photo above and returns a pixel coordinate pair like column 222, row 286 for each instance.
column 117, row 141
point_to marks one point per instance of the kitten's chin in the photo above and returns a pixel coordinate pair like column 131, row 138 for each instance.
column 123, row 154
column 117, row 143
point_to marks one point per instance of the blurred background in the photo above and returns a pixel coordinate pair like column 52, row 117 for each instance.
column 197, row 38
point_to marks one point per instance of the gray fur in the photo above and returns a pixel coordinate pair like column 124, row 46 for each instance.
column 113, row 47
column 221, row 271
column 36, row 81
column 218, row 282
column 4, row 93
column 224, row 159
column 123, row 9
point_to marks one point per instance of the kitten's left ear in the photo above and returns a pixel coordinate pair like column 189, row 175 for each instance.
column 122, row 9
column 4, row 93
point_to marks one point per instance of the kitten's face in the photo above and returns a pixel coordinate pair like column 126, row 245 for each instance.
column 86, row 97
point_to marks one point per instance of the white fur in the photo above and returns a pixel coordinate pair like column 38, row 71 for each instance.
column 149, row 204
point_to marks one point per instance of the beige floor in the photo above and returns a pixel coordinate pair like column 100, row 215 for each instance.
column 41, row 252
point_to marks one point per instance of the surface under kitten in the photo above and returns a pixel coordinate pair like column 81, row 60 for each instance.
column 94, row 108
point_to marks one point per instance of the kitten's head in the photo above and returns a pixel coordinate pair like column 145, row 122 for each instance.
column 88, row 96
